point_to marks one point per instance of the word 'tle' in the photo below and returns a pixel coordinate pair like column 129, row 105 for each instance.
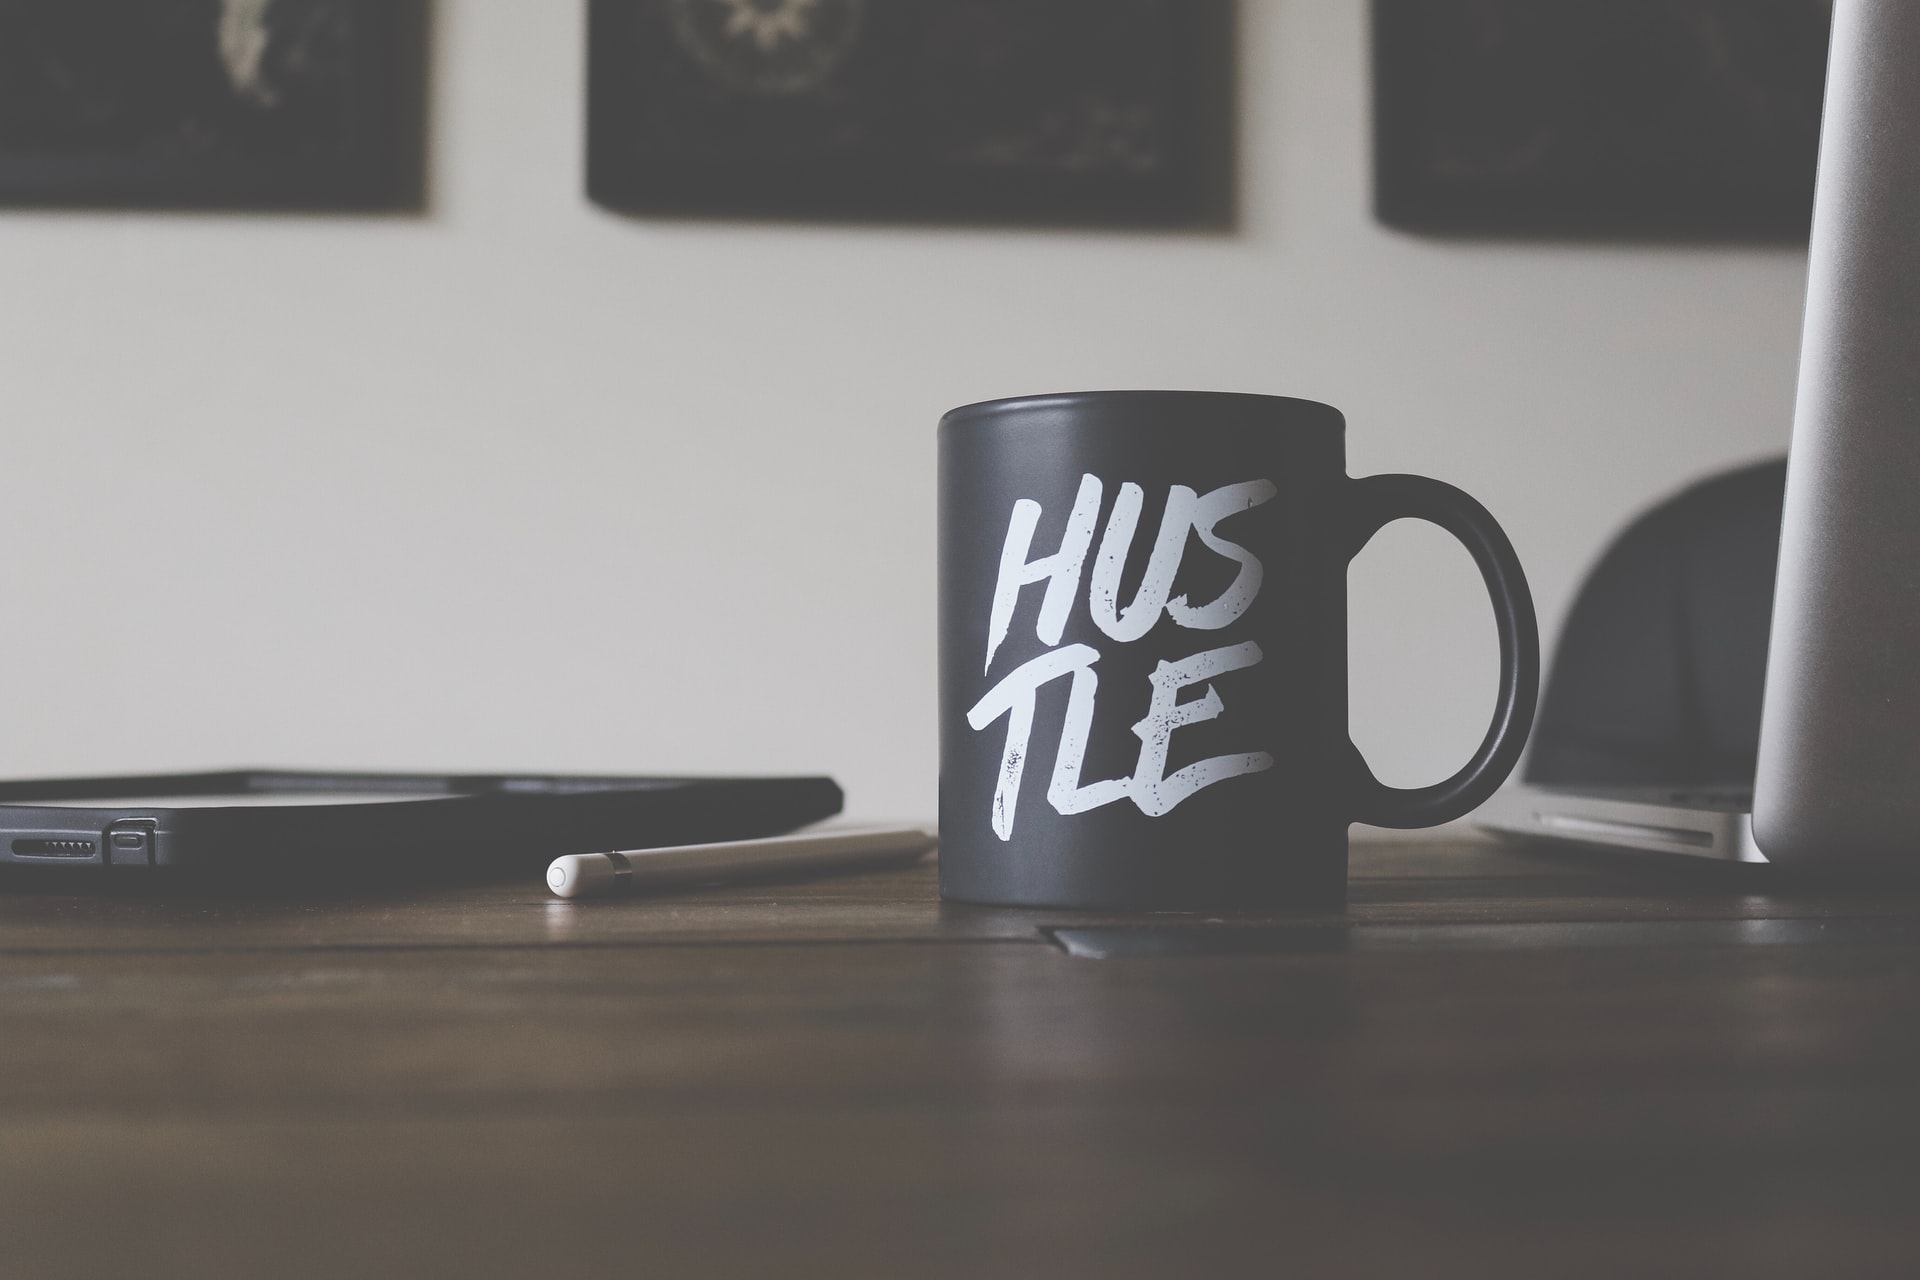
column 1149, row 787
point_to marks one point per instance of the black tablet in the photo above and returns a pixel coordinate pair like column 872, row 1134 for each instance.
column 282, row 824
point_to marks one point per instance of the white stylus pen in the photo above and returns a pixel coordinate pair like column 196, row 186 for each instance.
column 585, row 875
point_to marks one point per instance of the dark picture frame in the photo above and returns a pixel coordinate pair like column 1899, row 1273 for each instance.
column 213, row 104
column 1113, row 113
column 1691, row 119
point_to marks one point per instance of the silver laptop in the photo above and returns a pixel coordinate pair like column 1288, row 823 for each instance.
column 1838, row 780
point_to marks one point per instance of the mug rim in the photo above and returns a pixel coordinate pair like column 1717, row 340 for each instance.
column 1075, row 399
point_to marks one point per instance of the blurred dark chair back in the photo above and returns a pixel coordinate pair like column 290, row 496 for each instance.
column 1659, row 669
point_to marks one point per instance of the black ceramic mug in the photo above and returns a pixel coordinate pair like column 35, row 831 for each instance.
column 1143, row 651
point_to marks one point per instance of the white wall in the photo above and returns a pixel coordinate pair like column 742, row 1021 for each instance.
column 523, row 484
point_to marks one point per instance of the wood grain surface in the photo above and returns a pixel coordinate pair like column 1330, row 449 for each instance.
column 846, row 1078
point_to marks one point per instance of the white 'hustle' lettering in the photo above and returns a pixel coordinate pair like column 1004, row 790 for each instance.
column 1151, row 790
column 1229, row 605
column 1013, row 698
column 1129, row 624
column 1062, row 568
column 1016, row 696
column 1065, row 793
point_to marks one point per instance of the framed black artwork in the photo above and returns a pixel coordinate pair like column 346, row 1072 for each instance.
column 275, row 104
column 1684, row 118
column 1087, row 112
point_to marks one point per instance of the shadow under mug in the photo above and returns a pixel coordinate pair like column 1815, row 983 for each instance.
column 1143, row 652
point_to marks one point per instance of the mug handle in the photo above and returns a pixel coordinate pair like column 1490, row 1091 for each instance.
column 1380, row 500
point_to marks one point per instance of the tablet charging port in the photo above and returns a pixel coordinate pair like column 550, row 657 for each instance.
column 130, row 843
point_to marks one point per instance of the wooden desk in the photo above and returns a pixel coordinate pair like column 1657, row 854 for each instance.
column 846, row 1079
